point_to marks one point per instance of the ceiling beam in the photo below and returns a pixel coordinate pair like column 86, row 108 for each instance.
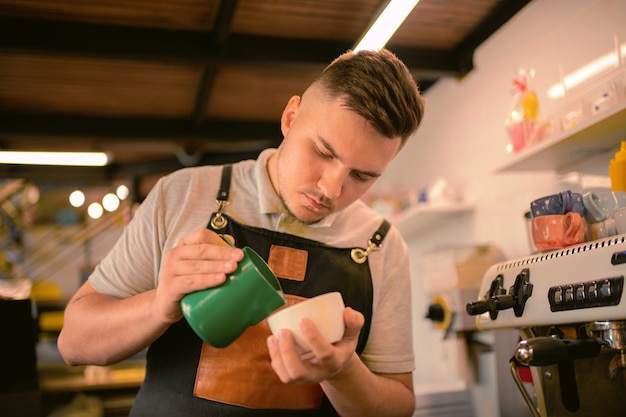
column 223, row 23
column 79, row 127
column 498, row 17
column 47, row 37
column 494, row 21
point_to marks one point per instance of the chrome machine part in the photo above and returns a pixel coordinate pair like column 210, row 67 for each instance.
column 520, row 385
column 613, row 334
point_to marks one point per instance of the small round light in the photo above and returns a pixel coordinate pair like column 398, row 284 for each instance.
column 122, row 192
column 77, row 198
column 95, row 210
column 110, row 202
column 32, row 194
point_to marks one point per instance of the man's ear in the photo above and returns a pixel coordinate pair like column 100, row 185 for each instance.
column 289, row 114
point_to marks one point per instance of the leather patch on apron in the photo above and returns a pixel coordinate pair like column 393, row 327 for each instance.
column 288, row 263
column 225, row 374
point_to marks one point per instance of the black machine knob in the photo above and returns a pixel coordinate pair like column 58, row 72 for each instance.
column 477, row 307
column 618, row 258
column 436, row 312
column 501, row 302
column 497, row 298
column 482, row 306
column 521, row 290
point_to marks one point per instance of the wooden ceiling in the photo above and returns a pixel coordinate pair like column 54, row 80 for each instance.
column 161, row 84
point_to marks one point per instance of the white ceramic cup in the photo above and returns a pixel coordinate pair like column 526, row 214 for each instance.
column 610, row 201
column 596, row 231
column 619, row 215
column 325, row 310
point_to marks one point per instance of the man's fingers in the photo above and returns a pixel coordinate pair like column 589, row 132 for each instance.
column 198, row 246
column 204, row 235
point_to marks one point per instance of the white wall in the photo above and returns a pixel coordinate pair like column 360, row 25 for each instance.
column 463, row 139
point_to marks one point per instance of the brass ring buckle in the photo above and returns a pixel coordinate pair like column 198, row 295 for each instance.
column 359, row 255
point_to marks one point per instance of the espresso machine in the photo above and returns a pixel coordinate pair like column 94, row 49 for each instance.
column 568, row 308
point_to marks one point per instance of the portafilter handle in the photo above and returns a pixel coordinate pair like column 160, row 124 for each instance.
column 544, row 351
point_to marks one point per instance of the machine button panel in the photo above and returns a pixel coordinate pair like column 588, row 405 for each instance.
column 597, row 293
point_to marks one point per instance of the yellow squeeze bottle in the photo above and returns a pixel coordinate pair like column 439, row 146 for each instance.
column 617, row 169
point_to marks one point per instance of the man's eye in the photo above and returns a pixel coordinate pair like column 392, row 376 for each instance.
column 361, row 177
column 322, row 154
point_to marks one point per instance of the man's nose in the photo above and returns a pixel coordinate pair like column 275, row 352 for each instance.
column 332, row 181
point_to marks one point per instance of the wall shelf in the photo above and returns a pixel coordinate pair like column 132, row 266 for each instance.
column 422, row 216
column 600, row 134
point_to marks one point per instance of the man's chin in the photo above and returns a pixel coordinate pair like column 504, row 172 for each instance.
column 307, row 217
column 303, row 214
column 308, row 220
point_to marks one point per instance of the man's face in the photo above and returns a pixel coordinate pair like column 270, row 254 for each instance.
column 330, row 156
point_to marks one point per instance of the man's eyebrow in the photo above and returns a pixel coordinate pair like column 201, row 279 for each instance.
column 334, row 154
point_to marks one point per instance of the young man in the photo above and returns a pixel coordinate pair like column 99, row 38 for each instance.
column 299, row 207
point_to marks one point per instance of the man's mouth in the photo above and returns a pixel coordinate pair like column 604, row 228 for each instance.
column 316, row 204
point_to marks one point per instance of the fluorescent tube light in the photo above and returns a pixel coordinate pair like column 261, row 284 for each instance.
column 54, row 158
column 604, row 63
column 386, row 24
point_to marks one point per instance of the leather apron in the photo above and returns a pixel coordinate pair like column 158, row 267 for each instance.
column 238, row 380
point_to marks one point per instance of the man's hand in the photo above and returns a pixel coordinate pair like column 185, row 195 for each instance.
column 325, row 360
column 200, row 260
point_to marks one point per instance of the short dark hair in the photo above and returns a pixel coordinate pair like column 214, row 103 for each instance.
column 378, row 86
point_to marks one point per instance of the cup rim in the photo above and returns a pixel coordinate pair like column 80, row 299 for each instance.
column 291, row 308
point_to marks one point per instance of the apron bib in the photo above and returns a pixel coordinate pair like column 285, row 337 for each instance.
column 238, row 380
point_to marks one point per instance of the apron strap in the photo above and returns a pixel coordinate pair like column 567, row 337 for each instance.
column 224, row 192
column 359, row 255
column 218, row 221
column 379, row 235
